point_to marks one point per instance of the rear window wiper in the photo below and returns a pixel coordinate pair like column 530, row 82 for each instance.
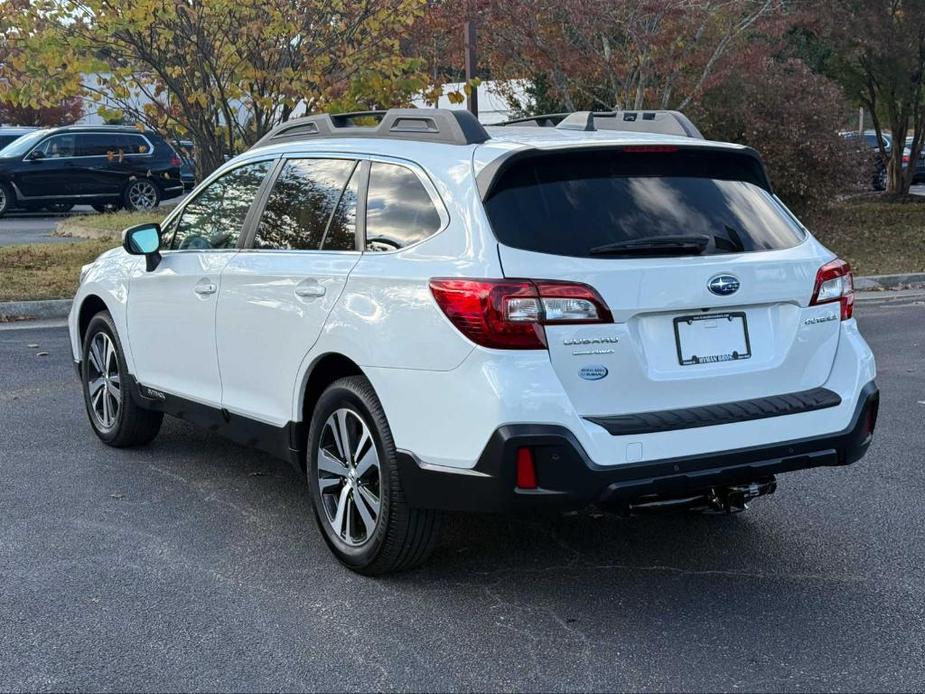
column 655, row 245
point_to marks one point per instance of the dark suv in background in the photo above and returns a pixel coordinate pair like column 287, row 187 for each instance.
column 107, row 167
column 10, row 133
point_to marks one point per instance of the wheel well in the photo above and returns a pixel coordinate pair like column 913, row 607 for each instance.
column 89, row 308
column 326, row 370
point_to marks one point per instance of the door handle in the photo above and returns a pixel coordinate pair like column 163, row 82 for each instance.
column 310, row 291
column 205, row 289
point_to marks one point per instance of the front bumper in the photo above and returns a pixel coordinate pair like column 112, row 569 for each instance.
column 568, row 479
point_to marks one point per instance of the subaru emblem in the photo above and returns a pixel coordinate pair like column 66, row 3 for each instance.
column 723, row 285
column 592, row 373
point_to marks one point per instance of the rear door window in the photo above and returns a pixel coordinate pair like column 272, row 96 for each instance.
column 304, row 201
column 399, row 211
column 571, row 203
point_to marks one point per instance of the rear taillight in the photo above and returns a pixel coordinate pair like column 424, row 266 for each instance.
column 510, row 314
column 176, row 162
column 835, row 282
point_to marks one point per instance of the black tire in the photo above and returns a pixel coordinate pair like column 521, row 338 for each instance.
column 131, row 425
column 105, row 208
column 403, row 536
column 6, row 199
column 141, row 189
column 881, row 180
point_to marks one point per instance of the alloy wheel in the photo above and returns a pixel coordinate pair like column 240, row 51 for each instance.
column 104, row 384
column 142, row 195
column 3, row 200
column 349, row 477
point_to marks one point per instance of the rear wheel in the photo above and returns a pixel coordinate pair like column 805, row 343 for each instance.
column 881, row 180
column 141, row 195
column 113, row 413
column 354, row 481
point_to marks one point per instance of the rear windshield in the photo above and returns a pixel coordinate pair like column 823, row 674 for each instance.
column 570, row 203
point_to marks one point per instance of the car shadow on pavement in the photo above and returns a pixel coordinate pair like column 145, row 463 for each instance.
column 274, row 495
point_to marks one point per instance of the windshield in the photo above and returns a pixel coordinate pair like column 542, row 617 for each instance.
column 18, row 148
column 578, row 203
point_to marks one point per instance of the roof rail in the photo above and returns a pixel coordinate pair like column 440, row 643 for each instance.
column 452, row 127
column 662, row 122
column 544, row 120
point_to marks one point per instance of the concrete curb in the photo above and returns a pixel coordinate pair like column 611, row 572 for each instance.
column 30, row 310
column 59, row 308
column 874, row 283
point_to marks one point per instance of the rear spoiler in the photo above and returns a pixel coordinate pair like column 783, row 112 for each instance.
column 486, row 178
column 659, row 122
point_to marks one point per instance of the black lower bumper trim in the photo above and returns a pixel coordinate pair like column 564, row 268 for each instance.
column 568, row 478
column 723, row 413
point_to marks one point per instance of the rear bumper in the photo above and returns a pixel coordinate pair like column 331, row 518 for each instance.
column 569, row 479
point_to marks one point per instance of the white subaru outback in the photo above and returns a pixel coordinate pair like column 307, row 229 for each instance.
column 425, row 315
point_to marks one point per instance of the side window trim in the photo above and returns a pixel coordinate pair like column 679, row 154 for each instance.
column 340, row 198
column 361, row 165
column 429, row 187
column 252, row 220
column 174, row 217
column 363, row 190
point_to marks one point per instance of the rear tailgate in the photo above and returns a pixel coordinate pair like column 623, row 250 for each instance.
column 791, row 348
column 675, row 342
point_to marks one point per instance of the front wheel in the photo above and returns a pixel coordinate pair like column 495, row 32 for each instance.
column 114, row 415
column 141, row 195
column 6, row 199
column 354, row 482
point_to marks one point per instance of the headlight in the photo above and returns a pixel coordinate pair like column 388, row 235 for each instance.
column 84, row 270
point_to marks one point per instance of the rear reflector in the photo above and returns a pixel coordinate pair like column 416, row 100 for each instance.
column 835, row 282
column 510, row 314
column 526, row 469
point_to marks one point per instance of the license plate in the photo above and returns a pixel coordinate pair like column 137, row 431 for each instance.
column 709, row 338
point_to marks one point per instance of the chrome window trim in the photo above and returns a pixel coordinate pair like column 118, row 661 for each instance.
column 149, row 153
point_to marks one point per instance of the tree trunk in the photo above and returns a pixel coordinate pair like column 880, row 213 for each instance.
column 210, row 152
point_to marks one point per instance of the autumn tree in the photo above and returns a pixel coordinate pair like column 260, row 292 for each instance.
column 222, row 72
column 877, row 52
column 601, row 55
column 757, row 105
column 67, row 112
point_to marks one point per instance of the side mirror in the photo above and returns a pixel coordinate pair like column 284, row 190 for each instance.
column 144, row 239
column 36, row 155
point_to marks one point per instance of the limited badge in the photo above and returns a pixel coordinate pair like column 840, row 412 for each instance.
column 592, row 373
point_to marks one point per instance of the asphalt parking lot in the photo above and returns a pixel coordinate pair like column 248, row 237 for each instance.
column 193, row 564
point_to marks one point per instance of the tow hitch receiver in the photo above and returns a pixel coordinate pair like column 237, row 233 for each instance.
column 729, row 499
